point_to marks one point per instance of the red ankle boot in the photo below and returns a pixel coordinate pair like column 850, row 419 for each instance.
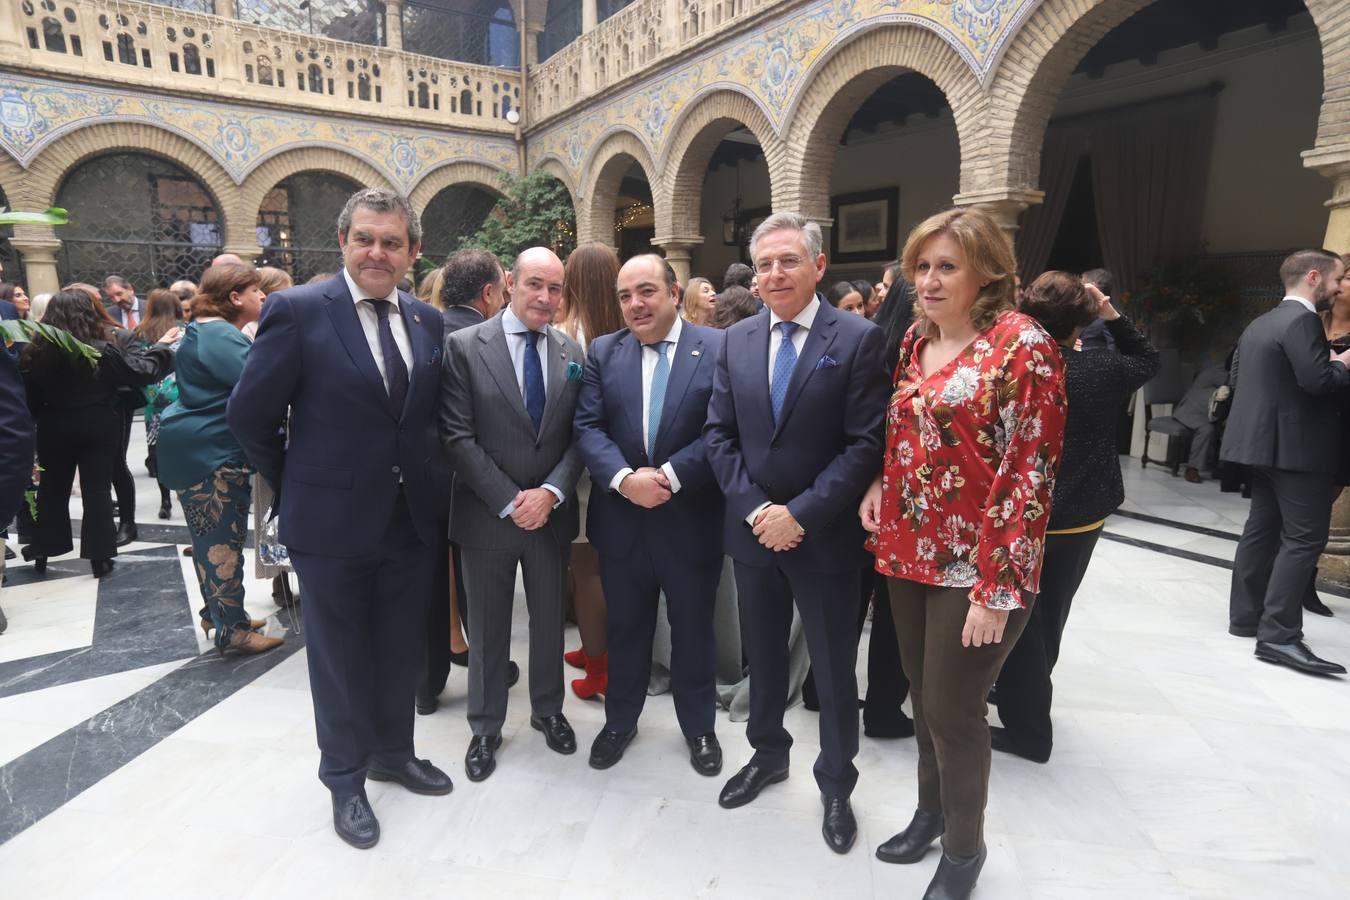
column 575, row 658
column 597, row 677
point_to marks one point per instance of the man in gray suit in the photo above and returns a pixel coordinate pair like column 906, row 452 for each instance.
column 509, row 391
column 1285, row 425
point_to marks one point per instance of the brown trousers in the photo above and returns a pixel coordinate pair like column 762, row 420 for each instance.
column 948, row 685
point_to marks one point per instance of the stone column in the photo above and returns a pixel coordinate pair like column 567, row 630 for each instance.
column 679, row 254
column 588, row 15
column 227, row 9
column 393, row 24
column 39, row 260
column 1334, row 564
column 12, row 45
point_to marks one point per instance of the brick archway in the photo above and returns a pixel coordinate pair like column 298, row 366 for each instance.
column 466, row 173
column 701, row 127
column 308, row 159
column 604, row 171
column 839, row 85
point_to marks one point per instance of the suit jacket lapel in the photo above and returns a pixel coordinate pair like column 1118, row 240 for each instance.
column 758, row 360
column 682, row 368
column 421, row 346
column 818, row 340
column 628, row 369
column 497, row 359
column 555, row 364
column 342, row 311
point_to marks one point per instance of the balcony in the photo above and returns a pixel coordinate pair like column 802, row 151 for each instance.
column 165, row 49
column 636, row 38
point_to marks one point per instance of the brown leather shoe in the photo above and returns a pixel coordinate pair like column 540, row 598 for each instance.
column 253, row 625
column 1193, row 475
column 250, row 643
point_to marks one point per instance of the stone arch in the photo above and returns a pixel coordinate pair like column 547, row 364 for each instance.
column 842, row 79
column 306, row 159
column 701, row 126
column 39, row 185
column 1055, row 38
column 449, row 174
column 604, row 172
column 555, row 167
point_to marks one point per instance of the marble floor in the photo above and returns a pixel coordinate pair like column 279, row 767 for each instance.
column 135, row 763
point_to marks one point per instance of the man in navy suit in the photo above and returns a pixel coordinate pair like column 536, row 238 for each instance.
column 657, row 526
column 794, row 436
column 356, row 363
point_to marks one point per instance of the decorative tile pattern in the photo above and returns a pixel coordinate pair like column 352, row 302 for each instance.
column 34, row 113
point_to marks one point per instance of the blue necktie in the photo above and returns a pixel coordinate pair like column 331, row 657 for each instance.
column 782, row 368
column 534, row 380
column 658, row 394
column 395, row 369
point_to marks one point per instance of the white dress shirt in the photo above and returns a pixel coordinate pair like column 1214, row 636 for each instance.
column 1307, row 304
column 650, row 357
column 805, row 319
column 370, row 325
column 518, row 346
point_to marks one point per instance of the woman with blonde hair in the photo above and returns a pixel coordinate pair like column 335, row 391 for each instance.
column 590, row 309
column 700, row 301
column 958, row 516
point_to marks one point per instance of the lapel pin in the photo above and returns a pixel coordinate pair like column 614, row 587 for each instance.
column 693, row 353
column 417, row 320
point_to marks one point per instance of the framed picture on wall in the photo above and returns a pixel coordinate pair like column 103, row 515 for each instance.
column 865, row 226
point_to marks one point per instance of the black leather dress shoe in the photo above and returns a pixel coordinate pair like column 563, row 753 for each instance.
column 512, row 673
column 1313, row 604
column 417, row 775
column 1003, row 741
column 902, row 726
column 126, row 533
column 746, row 784
column 557, row 733
column 839, row 827
column 1242, row 631
column 911, row 845
column 1296, row 655
column 705, row 754
column 354, row 821
column 100, row 567
column 955, row 878
column 609, row 746
column 481, row 759
column 427, row 705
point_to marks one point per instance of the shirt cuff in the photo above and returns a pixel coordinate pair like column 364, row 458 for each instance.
column 618, row 478
column 674, row 479
column 754, row 513
column 510, row 508
column 555, row 492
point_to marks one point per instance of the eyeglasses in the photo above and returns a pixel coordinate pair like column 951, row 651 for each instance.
column 786, row 263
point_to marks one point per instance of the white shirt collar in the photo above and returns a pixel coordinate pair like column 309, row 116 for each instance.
column 511, row 323
column 358, row 294
column 1307, row 304
column 673, row 335
column 806, row 318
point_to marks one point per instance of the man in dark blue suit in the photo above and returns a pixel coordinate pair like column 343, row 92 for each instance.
column 655, row 514
column 356, row 363
column 16, row 447
column 794, row 436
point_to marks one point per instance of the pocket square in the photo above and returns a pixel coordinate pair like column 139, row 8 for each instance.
column 574, row 371
column 827, row 362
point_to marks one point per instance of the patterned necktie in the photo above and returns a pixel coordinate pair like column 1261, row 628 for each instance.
column 534, row 380
column 658, row 393
column 395, row 369
column 783, row 362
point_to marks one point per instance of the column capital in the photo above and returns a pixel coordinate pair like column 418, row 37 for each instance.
column 678, row 244
column 246, row 252
column 1004, row 204
column 36, row 249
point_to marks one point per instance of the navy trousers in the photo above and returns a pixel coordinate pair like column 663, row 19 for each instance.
column 827, row 602
column 364, row 618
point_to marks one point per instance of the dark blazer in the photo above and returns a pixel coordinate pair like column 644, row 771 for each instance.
column 442, row 475
column 16, row 439
column 825, row 450
column 1286, row 413
column 337, row 479
column 491, row 441
column 610, row 437
column 8, row 310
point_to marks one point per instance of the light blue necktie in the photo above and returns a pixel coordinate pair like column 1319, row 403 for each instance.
column 658, row 394
column 783, row 362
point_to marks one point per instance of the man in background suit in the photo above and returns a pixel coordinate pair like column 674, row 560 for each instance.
column 1285, row 425
column 471, row 292
column 356, row 364
column 16, row 448
column 126, row 308
column 509, row 391
column 657, row 526
column 794, row 436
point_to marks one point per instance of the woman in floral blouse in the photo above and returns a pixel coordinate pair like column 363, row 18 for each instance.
column 958, row 515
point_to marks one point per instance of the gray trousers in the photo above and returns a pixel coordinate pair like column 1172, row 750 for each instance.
column 1202, row 441
column 490, row 586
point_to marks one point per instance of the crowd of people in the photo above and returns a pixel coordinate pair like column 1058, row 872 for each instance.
column 936, row 451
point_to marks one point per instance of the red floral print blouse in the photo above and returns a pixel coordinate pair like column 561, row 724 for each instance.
column 971, row 453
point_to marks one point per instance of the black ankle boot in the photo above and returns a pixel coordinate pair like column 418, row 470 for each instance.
column 910, row 845
column 955, row 878
column 100, row 567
